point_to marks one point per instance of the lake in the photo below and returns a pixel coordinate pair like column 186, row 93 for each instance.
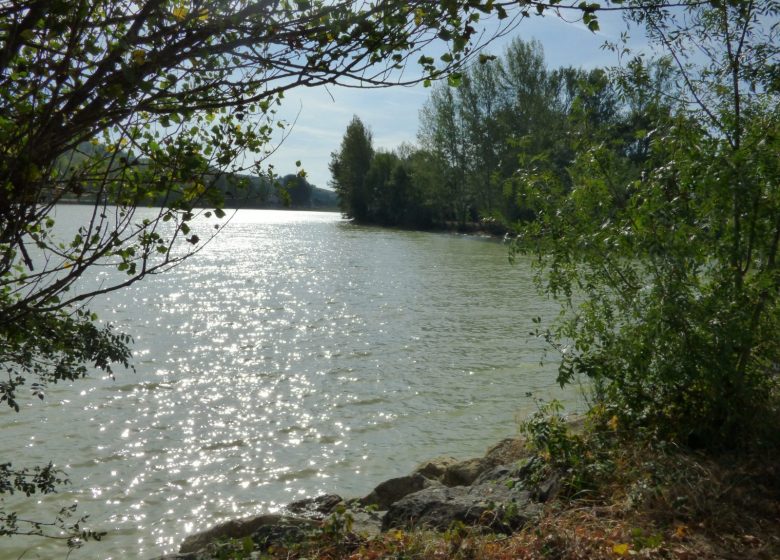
column 296, row 354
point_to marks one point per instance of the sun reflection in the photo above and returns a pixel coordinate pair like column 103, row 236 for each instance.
column 291, row 356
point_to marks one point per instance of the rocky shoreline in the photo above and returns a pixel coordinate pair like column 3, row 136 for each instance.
column 498, row 491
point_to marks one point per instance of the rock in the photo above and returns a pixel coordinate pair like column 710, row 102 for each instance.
column 316, row 508
column 499, row 473
column 507, row 451
column 240, row 528
column 516, row 473
column 492, row 491
column 286, row 533
column 465, row 472
column 365, row 523
column 435, row 468
column 390, row 491
column 498, row 506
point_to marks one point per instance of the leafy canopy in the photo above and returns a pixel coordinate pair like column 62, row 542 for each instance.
column 671, row 279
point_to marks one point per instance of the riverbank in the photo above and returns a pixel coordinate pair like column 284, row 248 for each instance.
column 486, row 227
column 650, row 501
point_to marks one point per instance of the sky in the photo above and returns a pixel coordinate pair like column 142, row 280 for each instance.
column 321, row 116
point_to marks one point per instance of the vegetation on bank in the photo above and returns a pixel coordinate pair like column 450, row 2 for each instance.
column 231, row 190
column 291, row 191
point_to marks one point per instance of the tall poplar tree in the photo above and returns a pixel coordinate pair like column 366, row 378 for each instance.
column 349, row 168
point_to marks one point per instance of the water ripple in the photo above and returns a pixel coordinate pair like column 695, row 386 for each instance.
column 294, row 353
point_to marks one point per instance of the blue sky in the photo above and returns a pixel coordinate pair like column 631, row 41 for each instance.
column 392, row 113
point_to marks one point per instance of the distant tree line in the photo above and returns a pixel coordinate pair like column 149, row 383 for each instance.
column 235, row 190
column 290, row 191
column 508, row 113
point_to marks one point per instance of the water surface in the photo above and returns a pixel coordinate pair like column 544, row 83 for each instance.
column 297, row 354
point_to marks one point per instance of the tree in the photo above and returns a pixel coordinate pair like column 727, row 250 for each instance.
column 349, row 168
column 297, row 191
column 509, row 104
column 443, row 132
column 386, row 199
column 376, row 187
column 481, row 102
column 121, row 104
column 677, row 270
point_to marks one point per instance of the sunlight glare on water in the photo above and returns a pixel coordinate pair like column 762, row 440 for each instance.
column 297, row 354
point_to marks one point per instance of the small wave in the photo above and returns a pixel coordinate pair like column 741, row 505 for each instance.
column 362, row 402
column 146, row 386
column 295, row 475
column 224, row 445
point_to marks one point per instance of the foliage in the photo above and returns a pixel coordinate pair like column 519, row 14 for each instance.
column 41, row 480
column 349, row 167
column 580, row 455
column 671, row 278
column 297, row 191
column 631, row 493
column 376, row 187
